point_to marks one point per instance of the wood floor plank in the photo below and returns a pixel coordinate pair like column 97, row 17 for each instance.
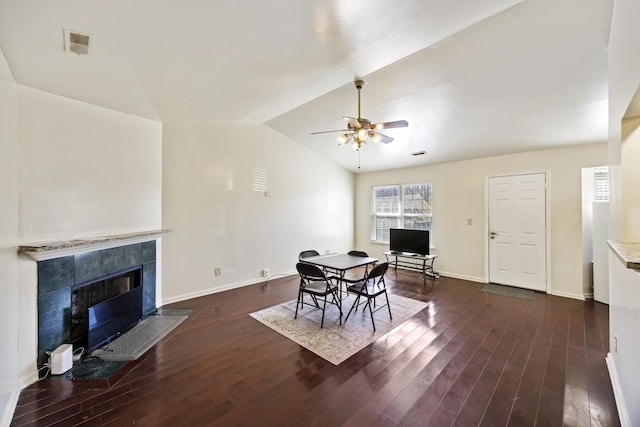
column 469, row 358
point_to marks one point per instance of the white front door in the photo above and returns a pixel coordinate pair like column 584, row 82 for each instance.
column 517, row 231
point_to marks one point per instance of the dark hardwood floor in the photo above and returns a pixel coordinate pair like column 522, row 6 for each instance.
column 470, row 358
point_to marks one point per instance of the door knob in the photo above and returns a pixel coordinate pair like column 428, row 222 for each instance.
column 493, row 234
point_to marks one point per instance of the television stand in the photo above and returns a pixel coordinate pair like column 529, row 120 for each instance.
column 416, row 262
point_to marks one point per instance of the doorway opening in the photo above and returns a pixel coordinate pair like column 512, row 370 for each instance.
column 595, row 225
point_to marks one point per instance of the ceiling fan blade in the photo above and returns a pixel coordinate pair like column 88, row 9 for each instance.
column 383, row 138
column 330, row 131
column 389, row 125
column 353, row 122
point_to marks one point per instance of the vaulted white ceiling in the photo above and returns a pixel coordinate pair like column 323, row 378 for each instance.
column 472, row 78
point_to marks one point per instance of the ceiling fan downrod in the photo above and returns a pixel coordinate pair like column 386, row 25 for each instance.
column 359, row 85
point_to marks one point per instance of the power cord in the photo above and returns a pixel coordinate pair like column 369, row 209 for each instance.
column 104, row 349
column 88, row 362
column 77, row 354
column 85, row 367
column 46, row 366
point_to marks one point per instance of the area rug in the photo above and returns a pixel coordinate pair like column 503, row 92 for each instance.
column 135, row 342
column 508, row 291
column 335, row 342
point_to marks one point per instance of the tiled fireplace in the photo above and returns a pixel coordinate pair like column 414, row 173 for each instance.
column 60, row 276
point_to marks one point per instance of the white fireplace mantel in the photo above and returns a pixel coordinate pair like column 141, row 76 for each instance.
column 49, row 250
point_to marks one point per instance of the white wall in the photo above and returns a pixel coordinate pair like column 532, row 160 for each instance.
column 9, row 279
column 624, row 286
column 630, row 180
column 219, row 220
column 624, row 323
column 587, row 228
column 83, row 171
column 600, row 252
column 459, row 194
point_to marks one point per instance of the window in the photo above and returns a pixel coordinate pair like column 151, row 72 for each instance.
column 601, row 184
column 400, row 206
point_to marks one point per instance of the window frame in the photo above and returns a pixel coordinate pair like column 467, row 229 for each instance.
column 400, row 213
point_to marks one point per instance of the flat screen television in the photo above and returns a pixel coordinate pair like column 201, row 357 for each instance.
column 114, row 316
column 409, row 241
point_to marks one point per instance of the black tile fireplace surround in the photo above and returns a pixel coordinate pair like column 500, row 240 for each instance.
column 59, row 276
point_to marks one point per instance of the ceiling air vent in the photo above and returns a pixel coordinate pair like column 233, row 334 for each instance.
column 419, row 153
column 76, row 42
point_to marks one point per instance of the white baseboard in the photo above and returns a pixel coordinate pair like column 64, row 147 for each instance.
column 7, row 413
column 443, row 274
column 463, row 277
column 27, row 380
column 222, row 288
column 617, row 392
column 580, row 297
column 567, row 295
column 230, row 286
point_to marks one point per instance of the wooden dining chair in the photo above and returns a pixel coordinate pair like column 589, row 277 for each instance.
column 370, row 287
column 314, row 282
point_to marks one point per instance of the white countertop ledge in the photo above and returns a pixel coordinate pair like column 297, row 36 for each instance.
column 48, row 250
column 627, row 252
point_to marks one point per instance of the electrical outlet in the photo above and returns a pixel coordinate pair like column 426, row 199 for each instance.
column 265, row 272
column 615, row 344
column 217, row 271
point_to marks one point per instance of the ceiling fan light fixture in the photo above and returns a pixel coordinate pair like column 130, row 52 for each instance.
column 360, row 130
column 342, row 139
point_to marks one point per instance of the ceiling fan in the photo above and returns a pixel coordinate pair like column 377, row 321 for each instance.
column 360, row 130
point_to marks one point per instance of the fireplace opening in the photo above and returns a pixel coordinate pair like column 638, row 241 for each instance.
column 105, row 308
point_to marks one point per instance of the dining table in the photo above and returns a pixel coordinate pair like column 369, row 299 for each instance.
column 340, row 264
